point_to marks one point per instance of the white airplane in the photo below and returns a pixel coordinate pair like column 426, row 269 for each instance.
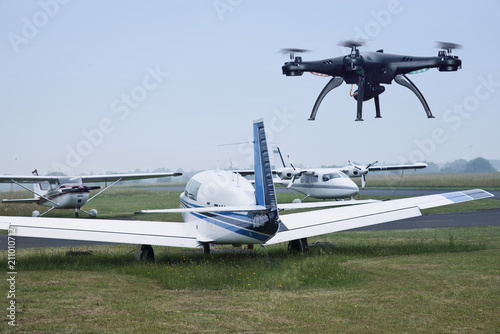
column 68, row 192
column 222, row 207
column 330, row 183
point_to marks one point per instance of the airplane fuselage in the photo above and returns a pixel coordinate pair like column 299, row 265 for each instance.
column 325, row 184
column 224, row 188
column 66, row 200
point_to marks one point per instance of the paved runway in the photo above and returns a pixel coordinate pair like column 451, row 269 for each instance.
column 441, row 220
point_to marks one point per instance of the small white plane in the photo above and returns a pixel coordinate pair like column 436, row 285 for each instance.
column 68, row 192
column 222, row 207
column 330, row 183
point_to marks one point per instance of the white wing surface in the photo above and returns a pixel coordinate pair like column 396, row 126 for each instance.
column 125, row 177
column 308, row 224
column 118, row 231
column 27, row 179
column 283, row 206
column 418, row 165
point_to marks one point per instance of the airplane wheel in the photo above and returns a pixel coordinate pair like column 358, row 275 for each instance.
column 35, row 213
column 297, row 200
column 295, row 246
column 93, row 213
column 145, row 253
column 305, row 245
column 206, row 248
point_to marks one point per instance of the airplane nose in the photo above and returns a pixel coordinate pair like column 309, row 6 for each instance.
column 350, row 187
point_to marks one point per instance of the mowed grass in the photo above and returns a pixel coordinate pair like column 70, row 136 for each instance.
column 408, row 281
column 439, row 180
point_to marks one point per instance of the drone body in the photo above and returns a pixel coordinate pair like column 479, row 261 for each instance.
column 369, row 70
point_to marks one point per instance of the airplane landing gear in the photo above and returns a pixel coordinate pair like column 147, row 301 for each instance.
column 298, row 246
column 206, row 248
column 92, row 213
column 145, row 253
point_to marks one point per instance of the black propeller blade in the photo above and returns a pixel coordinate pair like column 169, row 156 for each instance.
column 293, row 51
column 448, row 46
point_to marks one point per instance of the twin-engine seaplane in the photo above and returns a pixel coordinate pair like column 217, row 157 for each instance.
column 222, row 207
column 330, row 183
column 69, row 192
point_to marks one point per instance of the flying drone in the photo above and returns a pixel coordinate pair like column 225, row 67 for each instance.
column 369, row 70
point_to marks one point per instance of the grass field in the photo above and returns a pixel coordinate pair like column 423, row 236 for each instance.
column 433, row 181
column 407, row 281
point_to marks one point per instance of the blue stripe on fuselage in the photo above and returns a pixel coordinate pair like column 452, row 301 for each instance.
column 230, row 221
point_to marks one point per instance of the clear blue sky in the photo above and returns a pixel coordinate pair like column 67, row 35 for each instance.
column 96, row 86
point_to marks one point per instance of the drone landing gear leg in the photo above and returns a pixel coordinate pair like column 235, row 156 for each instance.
column 404, row 81
column 359, row 97
column 333, row 83
column 377, row 107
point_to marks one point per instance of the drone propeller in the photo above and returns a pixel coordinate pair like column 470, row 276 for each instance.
column 293, row 51
column 448, row 46
column 353, row 45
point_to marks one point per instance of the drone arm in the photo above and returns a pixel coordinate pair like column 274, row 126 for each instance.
column 333, row 83
column 404, row 81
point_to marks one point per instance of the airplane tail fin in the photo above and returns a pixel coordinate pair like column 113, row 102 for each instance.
column 264, row 187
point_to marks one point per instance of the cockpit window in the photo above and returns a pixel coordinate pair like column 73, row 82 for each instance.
column 192, row 189
column 76, row 180
column 308, row 178
column 329, row 176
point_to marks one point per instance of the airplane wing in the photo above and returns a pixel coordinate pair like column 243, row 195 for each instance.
column 398, row 167
column 125, row 177
column 209, row 209
column 283, row 206
column 105, row 230
column 312, row 205
column 27, row 179
column 21, row 200
column 312, row 223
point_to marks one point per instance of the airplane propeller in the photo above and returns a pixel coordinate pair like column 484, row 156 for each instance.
column 362, row 171
column 295, row 174
column 287, row 172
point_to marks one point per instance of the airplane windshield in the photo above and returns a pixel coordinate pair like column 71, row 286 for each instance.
column 76, row 180
column 192, row 188
column 334, row 175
